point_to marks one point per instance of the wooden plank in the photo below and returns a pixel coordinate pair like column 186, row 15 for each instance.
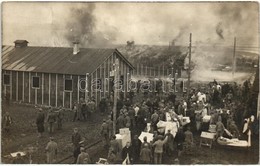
column 71, row 93
column 56, row 91
column 96, row 90
column 49, row 89
column 42, row 88
column 11, row 84
column 35, row 96
column 17, row 82
column 78, row 89
column 104, row 82
column 23, row 88
column 124, row 80
column 63, row 95
column 29, row 87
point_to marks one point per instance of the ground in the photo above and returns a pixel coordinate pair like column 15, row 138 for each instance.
column 23, row 135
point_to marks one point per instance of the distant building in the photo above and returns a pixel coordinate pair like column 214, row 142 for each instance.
column 57, row 76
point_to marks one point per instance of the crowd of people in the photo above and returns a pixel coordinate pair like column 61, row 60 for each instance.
column 227, row 105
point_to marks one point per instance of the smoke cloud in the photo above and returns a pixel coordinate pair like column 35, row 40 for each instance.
column 219, row 30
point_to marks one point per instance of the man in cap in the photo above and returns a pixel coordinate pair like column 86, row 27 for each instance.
column 7, row 122
column 120, row 121
column 76, row 137
column 51, row 119
column 60, row 117
column 40, row 122
column 83, row 157
column 110, row 127
column 145, row 154
column 127, row 153
column 51, row 151
column 77, row 151
column 104, row 133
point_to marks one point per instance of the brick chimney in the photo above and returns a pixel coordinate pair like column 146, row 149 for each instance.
column 21, row 43
column 75, row 47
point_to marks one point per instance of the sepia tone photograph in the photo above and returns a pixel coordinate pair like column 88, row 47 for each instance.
column 173, row 83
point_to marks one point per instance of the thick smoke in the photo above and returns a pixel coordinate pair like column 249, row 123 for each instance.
column 232, row 20
column 183, row 30
column 219, row 30
column 80, row 24
column 82, row 27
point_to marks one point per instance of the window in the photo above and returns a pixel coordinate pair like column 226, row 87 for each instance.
column 68, row 85
column 6, row 79
column 35, row 82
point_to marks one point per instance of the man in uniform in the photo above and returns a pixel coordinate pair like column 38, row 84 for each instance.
column 51, row 119
column 60, row 117
column 51, row 150
column 76, row 139
column 110, row 127
column 7, row 122
column 114, row 145
column 104, row 133
column 40, row 122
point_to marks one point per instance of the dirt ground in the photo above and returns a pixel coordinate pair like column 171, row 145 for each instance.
column 23, row 136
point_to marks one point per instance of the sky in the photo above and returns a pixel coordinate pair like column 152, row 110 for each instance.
column 105, row 24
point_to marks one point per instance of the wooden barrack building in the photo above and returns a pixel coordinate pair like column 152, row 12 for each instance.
column 57, row 76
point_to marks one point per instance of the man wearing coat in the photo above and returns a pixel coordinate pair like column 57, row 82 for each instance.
column 40, row 122
column 51, row 151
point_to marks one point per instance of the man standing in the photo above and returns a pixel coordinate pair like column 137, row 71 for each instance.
column 136, row 146
column 104, row 133
column 102, row 105
column 51, row 150
column 60, row 117
column 76, row 138
column 158, row 149
column 7, row 122
column 83, row 157
column 110, row 127
column 188, row 139
column 91, row 108
column 154, row 120
column 40, row 122
column 120, row 122
column 145, row 154
column 179, row 138
column 127, row 153
column 169, row 143
column 114, row 145
column 51, row 119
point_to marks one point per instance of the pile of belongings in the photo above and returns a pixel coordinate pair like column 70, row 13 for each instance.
column 232, row 142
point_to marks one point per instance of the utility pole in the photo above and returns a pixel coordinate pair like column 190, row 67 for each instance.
column 234, row 58
column 116, row 81
column 189, row 72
